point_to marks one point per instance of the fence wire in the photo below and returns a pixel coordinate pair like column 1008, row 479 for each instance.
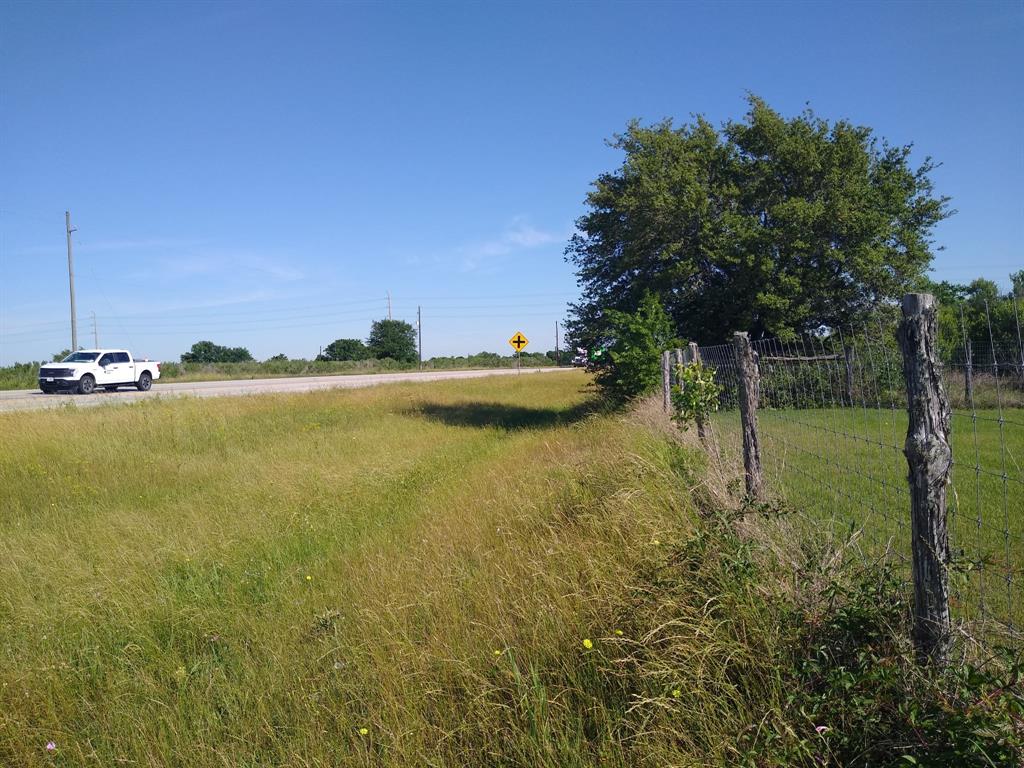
column 832, row 422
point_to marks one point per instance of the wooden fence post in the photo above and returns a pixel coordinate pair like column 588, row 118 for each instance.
column 666, row 380
column 677, row 360
column 929, row 457
column 848, row 358
column 694, row 352
column 749, row 392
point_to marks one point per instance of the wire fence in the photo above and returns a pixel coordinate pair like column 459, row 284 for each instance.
column 832, row 423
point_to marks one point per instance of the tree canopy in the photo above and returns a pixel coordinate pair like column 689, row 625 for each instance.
column 208, row 352
column 345, row 349
column 394, row 339
column 768, row 225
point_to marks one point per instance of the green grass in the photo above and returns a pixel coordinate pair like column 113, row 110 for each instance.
column 251, row 581
column 845, row 467
column 482, row 572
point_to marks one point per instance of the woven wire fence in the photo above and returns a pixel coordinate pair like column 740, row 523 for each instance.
column 832, row 422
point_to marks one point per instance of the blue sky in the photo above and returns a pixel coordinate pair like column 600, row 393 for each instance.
column 261, row 174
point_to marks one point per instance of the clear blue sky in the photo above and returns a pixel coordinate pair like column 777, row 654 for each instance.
column 261, row 174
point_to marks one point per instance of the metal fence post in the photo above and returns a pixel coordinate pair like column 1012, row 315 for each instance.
column 929, row 457
column 749, row 391
column 968, row 374
column 848, row 359
column 666, row 380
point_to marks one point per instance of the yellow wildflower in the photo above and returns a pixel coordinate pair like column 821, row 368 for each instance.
column 588, row 643
column 363, row 731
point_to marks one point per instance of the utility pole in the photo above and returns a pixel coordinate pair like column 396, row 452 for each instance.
column 95, row 332
column 558, row 357
column 419, row 329
column 71, row 282
column 389, row 305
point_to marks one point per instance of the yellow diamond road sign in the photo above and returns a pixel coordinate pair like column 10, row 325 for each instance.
column 518, row 341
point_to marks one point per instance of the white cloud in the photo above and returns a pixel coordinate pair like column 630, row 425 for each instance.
column 519, row 236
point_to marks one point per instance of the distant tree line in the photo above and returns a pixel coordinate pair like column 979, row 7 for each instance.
column 978, row 312
column 208, row 352
column 388, row 340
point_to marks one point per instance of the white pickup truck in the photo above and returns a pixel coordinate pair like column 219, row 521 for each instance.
column 87, row 369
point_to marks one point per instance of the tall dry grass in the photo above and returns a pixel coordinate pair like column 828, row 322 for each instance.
column 470, row 573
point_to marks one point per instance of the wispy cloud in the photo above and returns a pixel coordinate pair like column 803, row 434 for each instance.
column 208, row 262
column 520, row 235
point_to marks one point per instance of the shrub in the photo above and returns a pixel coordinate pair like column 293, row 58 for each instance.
column 633, row 367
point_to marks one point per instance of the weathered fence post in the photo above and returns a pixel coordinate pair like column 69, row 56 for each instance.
column 848, row 357
column 677, row 360
column 968, row 375
column 749, row 392
column 666, row 380
column 929, row 457
column 694, row 352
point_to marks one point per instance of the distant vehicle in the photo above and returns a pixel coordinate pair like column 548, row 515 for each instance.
column 86, row 369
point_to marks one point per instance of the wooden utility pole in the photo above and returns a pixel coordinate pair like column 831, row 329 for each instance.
column 95, row 333
column 930, row 458
column 389, row 305
column 558, row 356
column 750, row 385
column 71, row 283
column 419, row 330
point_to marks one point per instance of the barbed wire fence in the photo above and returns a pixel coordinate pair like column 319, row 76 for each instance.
column 831, row 416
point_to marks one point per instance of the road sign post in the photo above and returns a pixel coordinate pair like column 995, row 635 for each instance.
column 518, row 342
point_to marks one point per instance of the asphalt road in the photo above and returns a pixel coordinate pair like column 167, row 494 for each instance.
column 33, row 399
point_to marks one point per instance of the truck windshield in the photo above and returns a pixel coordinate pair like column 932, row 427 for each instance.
column 81, row 357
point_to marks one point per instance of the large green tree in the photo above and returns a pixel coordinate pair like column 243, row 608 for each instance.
column 771, row 225
column 394, row 339
column 345, row 349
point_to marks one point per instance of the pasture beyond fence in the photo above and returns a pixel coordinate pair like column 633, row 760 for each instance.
column 907, row 442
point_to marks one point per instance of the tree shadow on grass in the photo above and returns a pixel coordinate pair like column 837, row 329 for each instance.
column 502, row 415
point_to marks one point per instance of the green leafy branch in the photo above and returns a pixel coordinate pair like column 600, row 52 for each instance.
column 695, row 395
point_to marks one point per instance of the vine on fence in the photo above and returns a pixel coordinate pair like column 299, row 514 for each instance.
column 695, row 396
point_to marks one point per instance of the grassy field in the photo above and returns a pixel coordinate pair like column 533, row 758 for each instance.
column 483, row 572
column 354, row 578
column 846, row 467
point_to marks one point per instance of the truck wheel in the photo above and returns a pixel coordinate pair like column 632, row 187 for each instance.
column 145, row 382
column 86, row 384
column 47, row 390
